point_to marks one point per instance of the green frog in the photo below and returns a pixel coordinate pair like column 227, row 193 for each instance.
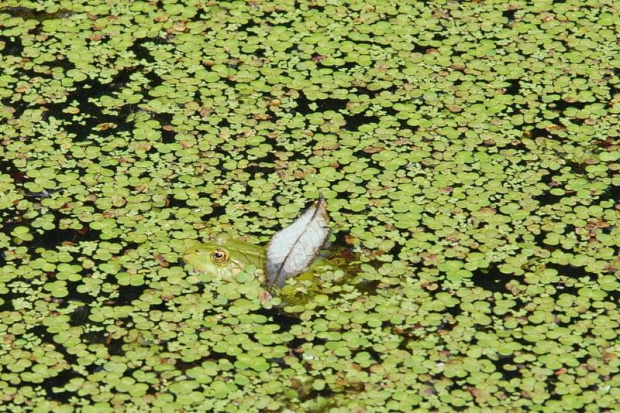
column 225, row 257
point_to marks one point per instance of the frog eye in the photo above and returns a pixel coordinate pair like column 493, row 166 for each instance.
column 219, row 255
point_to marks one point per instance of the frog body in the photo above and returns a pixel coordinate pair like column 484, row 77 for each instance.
column 225, row 257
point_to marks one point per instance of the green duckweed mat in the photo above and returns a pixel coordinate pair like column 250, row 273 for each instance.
column 468, row 151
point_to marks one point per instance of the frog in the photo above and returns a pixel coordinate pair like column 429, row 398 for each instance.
column 224, row 257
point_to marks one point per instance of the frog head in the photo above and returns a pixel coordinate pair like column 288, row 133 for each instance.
column 224, row 257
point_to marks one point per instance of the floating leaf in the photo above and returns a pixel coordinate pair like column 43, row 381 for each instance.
column 291, row 250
